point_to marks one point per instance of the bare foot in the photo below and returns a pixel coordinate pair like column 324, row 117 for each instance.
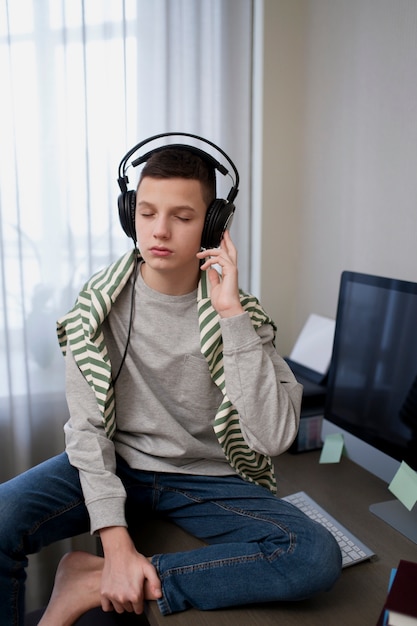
column 76, row 589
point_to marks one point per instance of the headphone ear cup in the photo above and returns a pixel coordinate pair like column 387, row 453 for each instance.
column 218, row 219
column 127, row 208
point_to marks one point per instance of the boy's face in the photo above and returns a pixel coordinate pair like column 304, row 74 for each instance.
column 170, row 214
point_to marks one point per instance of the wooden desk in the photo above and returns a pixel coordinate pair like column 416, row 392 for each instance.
column 345, row 491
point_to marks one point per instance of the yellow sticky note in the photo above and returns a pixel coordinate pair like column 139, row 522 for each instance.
column 332, row 448
column 404, row 485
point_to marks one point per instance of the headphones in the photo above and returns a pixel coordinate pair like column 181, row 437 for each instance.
column 219, row 213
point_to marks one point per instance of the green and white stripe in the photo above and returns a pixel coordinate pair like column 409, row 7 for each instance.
column 80, row 329
column 251, row 465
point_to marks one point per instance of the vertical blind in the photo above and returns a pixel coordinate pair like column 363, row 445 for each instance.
column 81, row 83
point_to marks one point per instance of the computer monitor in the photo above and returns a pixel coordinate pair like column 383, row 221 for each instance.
column 372, row 386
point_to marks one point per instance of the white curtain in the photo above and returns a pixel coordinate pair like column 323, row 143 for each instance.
column 81, row 83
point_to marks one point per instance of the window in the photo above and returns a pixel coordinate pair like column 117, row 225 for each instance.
column 83, row 81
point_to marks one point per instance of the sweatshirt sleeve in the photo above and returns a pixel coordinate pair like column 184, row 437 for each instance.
column 92, row 452
column 260, row 385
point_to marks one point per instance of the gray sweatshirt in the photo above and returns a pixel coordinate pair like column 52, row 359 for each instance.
column 166, row 399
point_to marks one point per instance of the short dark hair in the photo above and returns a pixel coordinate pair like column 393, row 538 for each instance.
column 182, row 163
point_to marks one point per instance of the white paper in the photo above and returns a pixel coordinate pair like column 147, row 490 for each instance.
column 314, row 345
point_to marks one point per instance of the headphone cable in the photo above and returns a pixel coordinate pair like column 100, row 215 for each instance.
column 132, row 300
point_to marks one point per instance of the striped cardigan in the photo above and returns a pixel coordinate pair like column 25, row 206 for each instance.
column 81, row 331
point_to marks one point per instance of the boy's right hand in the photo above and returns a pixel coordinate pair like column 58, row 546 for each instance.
column 128, row 577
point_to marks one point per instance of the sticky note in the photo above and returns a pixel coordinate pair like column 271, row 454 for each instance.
column 332, row 448
column 404, row 485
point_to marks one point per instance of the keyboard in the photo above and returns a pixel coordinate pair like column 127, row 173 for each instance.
column 353, row 550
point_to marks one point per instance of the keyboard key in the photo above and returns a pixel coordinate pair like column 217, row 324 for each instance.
column 352, row 549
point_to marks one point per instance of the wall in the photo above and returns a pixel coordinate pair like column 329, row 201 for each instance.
column 339, row 151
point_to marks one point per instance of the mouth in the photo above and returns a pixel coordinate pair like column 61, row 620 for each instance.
column 160, row 251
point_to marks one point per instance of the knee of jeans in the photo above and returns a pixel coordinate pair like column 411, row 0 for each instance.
column 312, row 565
column 322, row 561
column 12, row 513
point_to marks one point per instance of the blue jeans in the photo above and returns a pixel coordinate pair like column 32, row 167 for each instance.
column 260, row 548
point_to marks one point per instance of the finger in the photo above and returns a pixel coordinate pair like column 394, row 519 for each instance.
column 152, row 583
column 119, row 606
column 229, row 246
column 152, row 591
column 212, row 260
column 226, row 239
column 206, row 254
column 106, row 605
column 137, row 607
column 207, row 264
column 214, row 277
column 129, row 607
column 132, row 605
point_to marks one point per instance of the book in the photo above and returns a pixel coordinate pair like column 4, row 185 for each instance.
column 401, row 604
column 383, row 618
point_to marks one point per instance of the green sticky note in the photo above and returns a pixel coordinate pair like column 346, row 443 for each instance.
column 404, row 485
column 332, row 448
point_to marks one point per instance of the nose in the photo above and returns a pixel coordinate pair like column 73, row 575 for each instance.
column 161, row 228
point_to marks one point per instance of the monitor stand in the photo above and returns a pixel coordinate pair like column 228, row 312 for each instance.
column 398, row 516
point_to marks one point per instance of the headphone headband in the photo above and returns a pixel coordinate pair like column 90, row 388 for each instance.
column 123, row 179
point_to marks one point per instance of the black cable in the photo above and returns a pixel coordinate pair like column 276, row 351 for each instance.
column 132, row 301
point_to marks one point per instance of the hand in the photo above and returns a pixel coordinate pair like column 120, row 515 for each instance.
column 225, row 288
column 128, row 577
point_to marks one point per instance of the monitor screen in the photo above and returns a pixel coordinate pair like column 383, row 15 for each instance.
column 372, row 387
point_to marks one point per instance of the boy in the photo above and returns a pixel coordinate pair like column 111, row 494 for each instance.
column 183, row 423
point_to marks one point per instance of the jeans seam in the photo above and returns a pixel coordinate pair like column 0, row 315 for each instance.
column 242, row 513
column 163, row 602
column 190, row 569
column 31, row 531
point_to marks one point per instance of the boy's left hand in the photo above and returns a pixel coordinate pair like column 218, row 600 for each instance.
column 224, row 288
